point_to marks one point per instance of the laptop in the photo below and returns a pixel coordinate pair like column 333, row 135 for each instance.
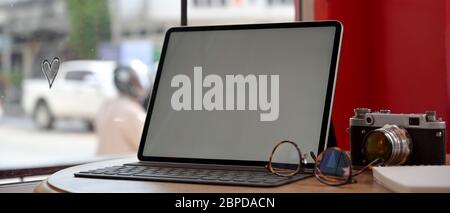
column 224, row 96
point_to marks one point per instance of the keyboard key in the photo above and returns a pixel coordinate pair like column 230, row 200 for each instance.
column 109, row 173
column 210, row 178
column 255, row 180
column 226, row 178
column 239, row 179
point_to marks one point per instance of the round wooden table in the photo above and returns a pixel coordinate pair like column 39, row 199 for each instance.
column 64, row 181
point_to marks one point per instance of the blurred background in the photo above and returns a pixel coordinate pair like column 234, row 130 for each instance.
column 395, row 55
column 41, row 127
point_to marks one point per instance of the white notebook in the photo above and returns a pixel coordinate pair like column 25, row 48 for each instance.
column 413, row 178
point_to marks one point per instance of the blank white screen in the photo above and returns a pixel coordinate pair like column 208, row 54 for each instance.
column 300, row 56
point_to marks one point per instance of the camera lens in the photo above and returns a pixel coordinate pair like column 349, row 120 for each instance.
column 389, row 143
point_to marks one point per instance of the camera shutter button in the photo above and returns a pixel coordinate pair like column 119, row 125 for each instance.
column 430, row 116
column 360, row 112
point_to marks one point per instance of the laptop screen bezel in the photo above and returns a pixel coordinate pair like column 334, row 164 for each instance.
column 326, row 118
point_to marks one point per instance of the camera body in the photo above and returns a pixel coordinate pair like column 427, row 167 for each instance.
column 425, row 134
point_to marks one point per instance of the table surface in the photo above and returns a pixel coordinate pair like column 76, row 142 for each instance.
column 64, row 181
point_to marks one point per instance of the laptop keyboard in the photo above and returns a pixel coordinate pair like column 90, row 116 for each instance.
column 190, row 175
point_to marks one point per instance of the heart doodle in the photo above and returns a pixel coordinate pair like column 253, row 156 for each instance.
column 50, row 70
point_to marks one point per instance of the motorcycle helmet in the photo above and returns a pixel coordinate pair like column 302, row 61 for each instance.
column 128, row 82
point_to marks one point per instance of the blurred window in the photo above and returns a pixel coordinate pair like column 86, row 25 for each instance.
column 280, row 2
column 209, row 3
column 211, row 12
column 78, row 75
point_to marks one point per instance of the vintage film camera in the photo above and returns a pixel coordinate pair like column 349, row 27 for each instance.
column 399, row 139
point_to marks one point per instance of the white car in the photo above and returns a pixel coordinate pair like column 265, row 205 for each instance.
column 78, row 92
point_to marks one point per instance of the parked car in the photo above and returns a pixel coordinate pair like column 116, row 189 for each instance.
column 78, row 92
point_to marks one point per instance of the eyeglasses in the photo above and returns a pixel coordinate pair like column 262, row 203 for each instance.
column 332, row 167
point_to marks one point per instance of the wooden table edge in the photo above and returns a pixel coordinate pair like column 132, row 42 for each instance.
column 45, row 187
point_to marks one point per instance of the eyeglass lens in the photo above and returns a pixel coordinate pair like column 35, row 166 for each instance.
column 285, row 159
column 333, row 167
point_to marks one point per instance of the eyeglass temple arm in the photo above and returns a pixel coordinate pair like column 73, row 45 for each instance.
column 376, row 162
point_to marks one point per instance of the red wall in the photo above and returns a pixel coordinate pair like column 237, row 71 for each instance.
column 395, row 55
